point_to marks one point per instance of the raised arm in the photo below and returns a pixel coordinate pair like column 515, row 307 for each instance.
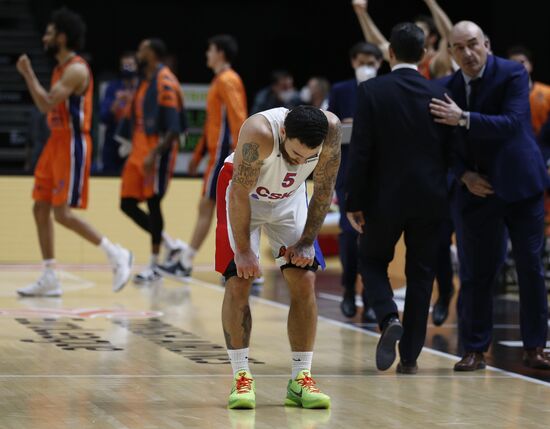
column 441, row 64
column 74, row 78
column 370, row 31
column 254, row 145
column 441, row 20
column 324, row 177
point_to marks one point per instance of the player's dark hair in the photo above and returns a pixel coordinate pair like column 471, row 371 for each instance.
column 307, row 124
column 365, row 48
column 407, row 42
column 71, row 25
column 519, row 50
column 158, row 47
column 227, row 44
column 430, row 23
column 277, row 75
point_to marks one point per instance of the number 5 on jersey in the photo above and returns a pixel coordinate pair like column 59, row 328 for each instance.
column 288, row 181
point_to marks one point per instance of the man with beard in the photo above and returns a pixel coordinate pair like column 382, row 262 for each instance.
column 153, row 121
column 61, row 175
column 262, row 186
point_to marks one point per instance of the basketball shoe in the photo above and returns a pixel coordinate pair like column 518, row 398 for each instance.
column 243, row 393
column 46, row 285
column 303, row 392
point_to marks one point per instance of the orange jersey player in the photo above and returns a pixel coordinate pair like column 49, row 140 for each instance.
column 153, row 123
column 225, row 113
column 61, row 175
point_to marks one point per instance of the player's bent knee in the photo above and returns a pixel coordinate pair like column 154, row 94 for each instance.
column 41, row 210
column 62, row 215
column 238, row 288
column 128, row 205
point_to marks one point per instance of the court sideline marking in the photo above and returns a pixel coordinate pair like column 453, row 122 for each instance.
column 373, row 334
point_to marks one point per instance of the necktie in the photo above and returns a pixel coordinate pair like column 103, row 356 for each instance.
column 474, row 89
column 472, row 152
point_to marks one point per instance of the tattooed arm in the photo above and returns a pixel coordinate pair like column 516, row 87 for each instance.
column 254, row 145
column 324, row 177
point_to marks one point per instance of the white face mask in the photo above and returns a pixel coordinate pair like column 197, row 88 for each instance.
column 287, row 95
column 363, row 73
column 305, row 94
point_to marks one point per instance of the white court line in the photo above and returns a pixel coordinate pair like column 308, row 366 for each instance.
column 375, row 335
column 381, row 376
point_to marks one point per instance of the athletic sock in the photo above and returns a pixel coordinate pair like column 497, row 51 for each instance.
column 154, row 261
column 48, row 264
column 187, row 256
column 239, row 359
column 109, row 248
column 301, row 361
column 168, row 240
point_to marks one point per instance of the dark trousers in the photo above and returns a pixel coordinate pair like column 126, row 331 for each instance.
column 444, row 268
column 348, row 246
column 484, row 222
column 376, row 251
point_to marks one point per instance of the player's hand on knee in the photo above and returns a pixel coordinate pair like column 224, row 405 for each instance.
column 302, row 255
column 248, row 265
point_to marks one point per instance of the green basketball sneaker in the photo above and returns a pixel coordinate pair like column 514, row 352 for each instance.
column 303, row 392
column 243, row 393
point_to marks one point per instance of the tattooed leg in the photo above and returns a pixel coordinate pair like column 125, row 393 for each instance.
column 236, row 317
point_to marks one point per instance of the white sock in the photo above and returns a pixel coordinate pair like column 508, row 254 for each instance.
column 187, row 256
column 154, row 260
column 301, row 361
column 168, row 240
column 239, row 359
column 48, row 264
column 109, row 248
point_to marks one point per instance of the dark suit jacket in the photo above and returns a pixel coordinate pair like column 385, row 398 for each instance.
column 398, row 157
column 500, row 141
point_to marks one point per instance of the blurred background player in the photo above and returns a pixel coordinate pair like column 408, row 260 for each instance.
column 153, row 121
column 61, row 175
column 437, row 60
column 280, row 93
column 225, row 113
column 118, row 95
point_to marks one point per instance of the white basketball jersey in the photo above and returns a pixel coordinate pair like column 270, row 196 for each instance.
column 278, row 179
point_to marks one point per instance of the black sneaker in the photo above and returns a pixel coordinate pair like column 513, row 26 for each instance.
column 176, row 271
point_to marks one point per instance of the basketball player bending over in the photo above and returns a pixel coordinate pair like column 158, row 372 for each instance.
column 262, row 185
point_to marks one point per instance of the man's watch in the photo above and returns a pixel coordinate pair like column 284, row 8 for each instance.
column 463, row 121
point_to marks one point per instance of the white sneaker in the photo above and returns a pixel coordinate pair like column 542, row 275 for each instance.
column 173, row 250
column 122, row 267
column 46, row 285
column 148, row 275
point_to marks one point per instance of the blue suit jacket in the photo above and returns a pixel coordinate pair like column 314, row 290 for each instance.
column 343, row 99
column 500, row 141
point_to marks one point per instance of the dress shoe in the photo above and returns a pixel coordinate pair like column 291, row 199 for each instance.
column 369, row 316
column 348, row 307
column 440, row 310
column 385, row 349
column 470, row 362
column 536, row 358
column 407, row 368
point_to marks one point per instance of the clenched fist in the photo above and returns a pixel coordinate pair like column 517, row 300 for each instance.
column 24, row 65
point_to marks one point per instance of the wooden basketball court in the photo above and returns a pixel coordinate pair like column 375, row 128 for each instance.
column 154, row 357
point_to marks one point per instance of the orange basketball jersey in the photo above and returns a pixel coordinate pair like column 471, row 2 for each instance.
column 62, row 172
